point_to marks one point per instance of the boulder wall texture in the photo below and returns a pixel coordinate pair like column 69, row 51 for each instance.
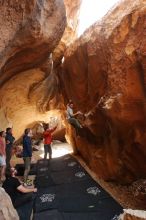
column 70, row 33
column 104, row 73
column 29, row 32
column 130, row 214
column 7, row 211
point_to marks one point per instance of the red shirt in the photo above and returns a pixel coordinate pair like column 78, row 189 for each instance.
column 48, row 135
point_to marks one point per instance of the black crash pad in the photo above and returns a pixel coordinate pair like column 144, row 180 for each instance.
column 44, row 181
column 89, row 204
column 59, row 165
column 89, row 216
column 25, row 211
column 55, row 215
column 48, row 215
column 84, row 187
column 70, row 193
column 42, row 171
column 69, row 176
column 20, row 169
column 46, row 199
column 43, row 162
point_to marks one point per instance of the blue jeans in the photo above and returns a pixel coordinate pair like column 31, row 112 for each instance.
column 8, row 156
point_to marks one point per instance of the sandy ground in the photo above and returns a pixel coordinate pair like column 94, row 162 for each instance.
column 58, row 149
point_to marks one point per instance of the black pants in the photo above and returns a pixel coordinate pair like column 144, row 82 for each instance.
column 23, row 198
column 75, row 123
column 47, row 149
column 8, row 156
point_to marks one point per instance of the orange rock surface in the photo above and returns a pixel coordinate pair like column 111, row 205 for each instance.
column 104, row 74
column 29, row 32
column 130, row 214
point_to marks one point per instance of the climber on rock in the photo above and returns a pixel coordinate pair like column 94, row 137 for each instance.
column 71, row 116
column 70, row 102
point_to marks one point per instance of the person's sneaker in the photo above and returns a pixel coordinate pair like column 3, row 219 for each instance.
column 29, row 180
column 28, row 183
column 24, row 184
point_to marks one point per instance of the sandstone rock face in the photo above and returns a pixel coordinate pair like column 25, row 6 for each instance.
column 54, row 120
column 104, row 74
column 31, row 31
column 29, row 85
column 7, row 211
column 130, row 214
column 70, row 33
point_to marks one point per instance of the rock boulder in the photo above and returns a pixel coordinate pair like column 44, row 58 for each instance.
column 7, row 211
column 130, row 214
column 104, row 74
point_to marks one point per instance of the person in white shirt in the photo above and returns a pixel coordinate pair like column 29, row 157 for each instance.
column 71, row 116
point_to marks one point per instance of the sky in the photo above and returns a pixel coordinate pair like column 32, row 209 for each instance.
column 93, row 10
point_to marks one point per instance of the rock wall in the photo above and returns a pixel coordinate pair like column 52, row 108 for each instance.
column 130, row 214
column 31, row 31
column 104, row 74
column 29, row 85
column 7, row 211
column 70, row 33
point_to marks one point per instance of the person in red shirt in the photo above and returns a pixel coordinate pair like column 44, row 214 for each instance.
column 2, row 155
column 47, row 140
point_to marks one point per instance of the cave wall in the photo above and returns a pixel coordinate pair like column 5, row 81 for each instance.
column 7, row 211
column 104, row 74
column 29, row 85
column 70, row 33
column 130, row 214
column 31, row 32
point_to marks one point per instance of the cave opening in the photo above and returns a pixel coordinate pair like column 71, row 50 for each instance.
column 95, row 9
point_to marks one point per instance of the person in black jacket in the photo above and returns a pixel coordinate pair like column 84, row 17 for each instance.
column 9, row 146
column 27, row 153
